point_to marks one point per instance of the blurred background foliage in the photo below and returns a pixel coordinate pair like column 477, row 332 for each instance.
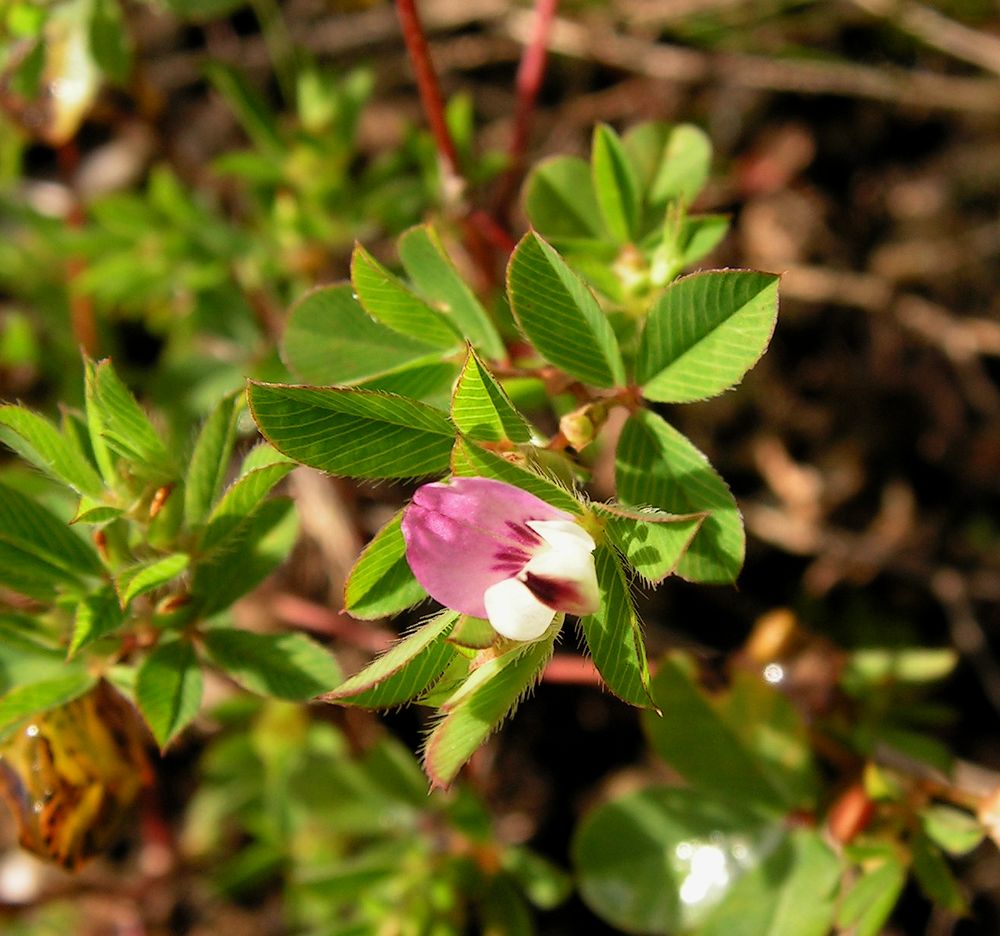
column 174, row 175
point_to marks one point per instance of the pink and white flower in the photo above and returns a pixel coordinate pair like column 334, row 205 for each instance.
column 491, row 550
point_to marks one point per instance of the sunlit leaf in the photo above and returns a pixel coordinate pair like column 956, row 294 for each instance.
column 96, row 615
column 560, row 316
column 404, row 671
column 390, row 301
column 242, row 498
column 434, row 276
column 481, row 409
column 614, row 636
column 24, row 701
column 955, row 831
column 559, row 200
column 673, row 162
column 37, row 441
column 747, row 743
column 38, row 552
column 146, row 576
column 866, row 907
column 652, row 541
column 656, row 466
column 118, row 423
column 357, row 433
column 253, row 550
column 431, row 382
column 470, row 460
column 209, row 461
column 704, row 333
column 792, row 892
column 657, row 860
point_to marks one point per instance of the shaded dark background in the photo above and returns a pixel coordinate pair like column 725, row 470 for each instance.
column 857, row 153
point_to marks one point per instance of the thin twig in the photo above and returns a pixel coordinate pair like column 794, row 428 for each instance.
column 310, row 616
column 939, row 32
column 529, row 82
column 281, row 49
column 690, row 66
column 430, row 94
column 81, row 307
column 949, row 587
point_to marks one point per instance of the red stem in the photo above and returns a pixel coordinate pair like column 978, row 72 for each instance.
column 568, row 669
column 81, row 308
column 320, row 620
column 427, row 82
column 529, row 82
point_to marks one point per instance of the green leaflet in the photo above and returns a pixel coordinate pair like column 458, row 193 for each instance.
column 434, row 276
column 168, row 689
column 713, row 742
column 560, row 201
column 704, row 333
column 330, row 339
column 36, row 440
column 652, row 541
column 475, row 710
column 614, row 636
column 96, row 615
column 284, row 666
column 38, row 552
column 470, row 460
column 146, row 576
column 117, row 423
column 560, row 316
column 406, row 670
column 390, row 301
column 251, row 552
column 672, row 162
column 656, row 466
column 33, row 698
column 615, row 185
column 355, row 433
column 867, row 905
column 481, row 409
column 792, row 892
column 631, row 856
column 210, row 460
column 381, row 583
column 242, row 498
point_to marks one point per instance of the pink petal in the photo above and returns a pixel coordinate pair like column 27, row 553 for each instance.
column 465, row 535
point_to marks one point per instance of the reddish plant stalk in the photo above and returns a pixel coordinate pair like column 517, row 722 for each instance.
column 81, row 308
column 568, row 669
column 427, row 82
column 529, row 82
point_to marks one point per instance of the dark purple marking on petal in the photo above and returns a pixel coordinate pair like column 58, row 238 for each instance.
column 512, row 554
column 523, row 534
column 507, row 569
column 557, row 594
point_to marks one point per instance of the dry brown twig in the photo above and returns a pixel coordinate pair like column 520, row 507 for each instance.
column 939, row 31
column 689, row 66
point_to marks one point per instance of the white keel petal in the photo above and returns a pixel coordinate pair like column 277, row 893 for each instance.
column 515, row 612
